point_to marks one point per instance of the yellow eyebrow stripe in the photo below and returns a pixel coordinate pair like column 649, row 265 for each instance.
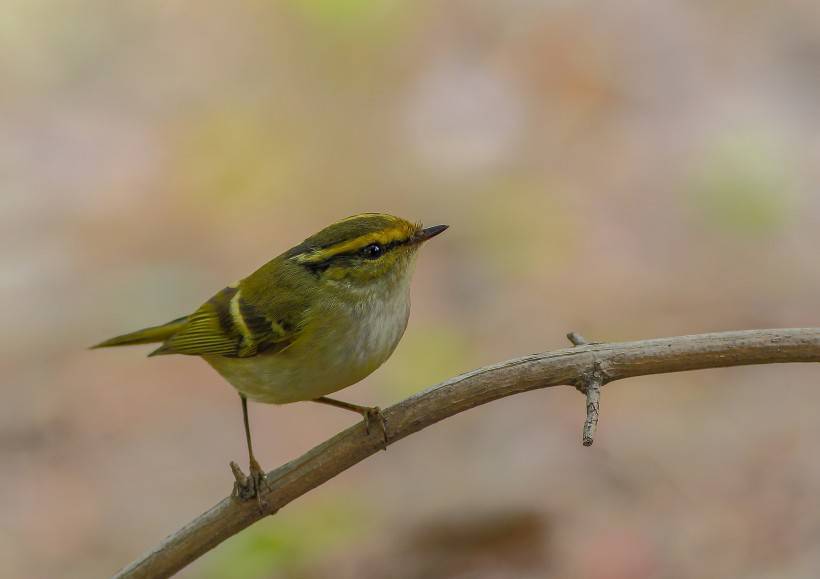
column 383, row 237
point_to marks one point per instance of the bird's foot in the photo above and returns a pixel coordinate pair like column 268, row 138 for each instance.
column 373, row 416
column 252, row 485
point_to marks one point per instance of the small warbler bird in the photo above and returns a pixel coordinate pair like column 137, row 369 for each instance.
column 316, row 319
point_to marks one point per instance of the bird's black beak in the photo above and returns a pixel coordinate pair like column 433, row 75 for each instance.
column 429, row 233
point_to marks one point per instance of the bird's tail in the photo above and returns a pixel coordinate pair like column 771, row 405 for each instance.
column 146, row 335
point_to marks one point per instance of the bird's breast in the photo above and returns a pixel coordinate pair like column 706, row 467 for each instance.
column 344, row 341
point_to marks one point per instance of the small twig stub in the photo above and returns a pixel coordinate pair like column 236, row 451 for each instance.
column 593, row 392
column 589, row 384
column 577, row 339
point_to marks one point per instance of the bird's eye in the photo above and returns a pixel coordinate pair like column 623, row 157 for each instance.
column 372, row 251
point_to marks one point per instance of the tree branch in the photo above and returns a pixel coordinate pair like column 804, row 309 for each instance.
column 573, row 366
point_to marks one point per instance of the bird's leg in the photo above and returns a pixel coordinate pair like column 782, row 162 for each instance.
column 256, row 471
column 250, row 486
column 369, row 413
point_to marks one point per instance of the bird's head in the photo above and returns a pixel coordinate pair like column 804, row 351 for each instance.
column 363, row 249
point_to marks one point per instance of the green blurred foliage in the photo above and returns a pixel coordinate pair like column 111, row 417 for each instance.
column 282, row 545
column 234, row 159
column 345, row 14
column 745, row 186
column 429, row 354
column 521, row 228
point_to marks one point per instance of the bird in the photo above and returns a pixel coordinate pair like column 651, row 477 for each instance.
column 317, row 318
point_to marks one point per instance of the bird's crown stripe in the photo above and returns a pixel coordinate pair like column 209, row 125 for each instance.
column 383, row 237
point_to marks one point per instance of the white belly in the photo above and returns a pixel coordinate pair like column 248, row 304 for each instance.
column 339, row 349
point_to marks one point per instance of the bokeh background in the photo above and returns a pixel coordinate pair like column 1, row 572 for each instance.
column 625, row 170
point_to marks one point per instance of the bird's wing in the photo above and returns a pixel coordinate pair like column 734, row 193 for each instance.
column 229, row 324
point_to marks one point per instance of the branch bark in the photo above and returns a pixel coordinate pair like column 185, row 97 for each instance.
column 571, row 366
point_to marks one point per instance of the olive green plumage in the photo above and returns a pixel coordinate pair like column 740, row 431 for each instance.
column 313, row 288
column 317, row 318
column 146, row 335
column 267, row 320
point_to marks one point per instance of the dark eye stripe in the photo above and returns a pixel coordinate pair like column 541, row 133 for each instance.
column 320, row 267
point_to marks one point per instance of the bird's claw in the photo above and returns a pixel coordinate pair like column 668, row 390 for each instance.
column 374, row 415
column 252, row 485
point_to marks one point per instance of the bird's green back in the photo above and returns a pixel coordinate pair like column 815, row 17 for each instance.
column 268, row 310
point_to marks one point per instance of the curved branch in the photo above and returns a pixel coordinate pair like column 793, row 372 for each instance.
column 561, row 367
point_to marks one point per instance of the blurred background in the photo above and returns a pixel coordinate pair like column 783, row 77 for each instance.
column 627, row 171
